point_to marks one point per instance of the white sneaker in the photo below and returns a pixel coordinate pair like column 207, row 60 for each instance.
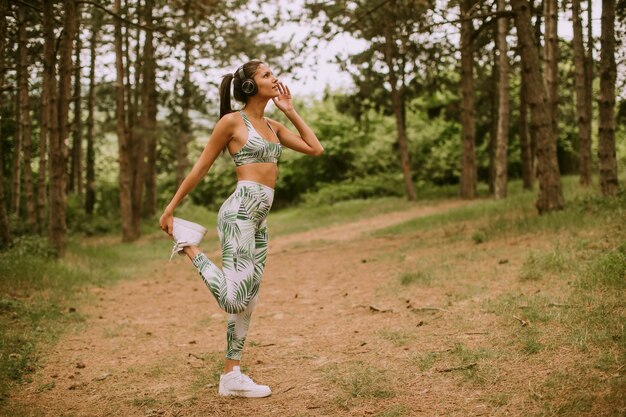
column 186, row 233
column 238, row 384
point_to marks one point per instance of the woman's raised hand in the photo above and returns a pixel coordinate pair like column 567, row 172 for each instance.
column 283, row 101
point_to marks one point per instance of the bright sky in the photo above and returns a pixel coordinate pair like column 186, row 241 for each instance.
column 322, row 71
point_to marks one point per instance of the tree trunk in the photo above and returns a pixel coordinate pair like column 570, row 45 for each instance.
column 503, row 108
column 149, row 108
column 90, row 192
column 550, row 194
column 583, row 119
column 16, row 173
column 551, row 58
column 31, row 217
column 185, row 123
column 125, row 177
column 5, row 236
column 493, row 129
column 606, row 101
column 58, row 149
column 468, row 158
column 48, row 87
column 538, row 12
column 76, row 174
column 589, row 70
column 525, row 145
column 56, row 160
column 138, row 145
column 398, row 105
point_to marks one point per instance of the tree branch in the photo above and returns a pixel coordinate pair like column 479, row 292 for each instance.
column 27, row 4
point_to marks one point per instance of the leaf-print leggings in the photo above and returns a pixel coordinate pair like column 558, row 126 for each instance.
column 242, row 229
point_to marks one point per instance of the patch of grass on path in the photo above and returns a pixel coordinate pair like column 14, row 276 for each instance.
column 39, row 294
column 517, row 214
column 302, row 218
column 357, row 381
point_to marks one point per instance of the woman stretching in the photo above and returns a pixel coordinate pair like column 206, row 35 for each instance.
column 255, row 144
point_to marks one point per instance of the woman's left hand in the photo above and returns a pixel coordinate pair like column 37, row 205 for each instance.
column 283, row 101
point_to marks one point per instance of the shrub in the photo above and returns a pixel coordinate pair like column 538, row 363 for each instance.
column 383, row 185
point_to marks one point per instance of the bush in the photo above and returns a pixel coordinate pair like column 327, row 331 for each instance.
column 383, row 185
column 29, row 246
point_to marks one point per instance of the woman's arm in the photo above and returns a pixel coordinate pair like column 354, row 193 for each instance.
column 307, row 142
column 220, row 137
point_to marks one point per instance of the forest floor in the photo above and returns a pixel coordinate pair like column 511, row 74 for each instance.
column 427, row 311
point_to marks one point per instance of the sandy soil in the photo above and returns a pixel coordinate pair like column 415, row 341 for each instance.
column 330, row 309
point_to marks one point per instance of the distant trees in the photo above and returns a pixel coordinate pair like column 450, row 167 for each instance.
column 66, row 148
column 446, row 116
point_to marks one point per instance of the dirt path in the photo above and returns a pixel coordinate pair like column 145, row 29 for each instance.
column 152, row 345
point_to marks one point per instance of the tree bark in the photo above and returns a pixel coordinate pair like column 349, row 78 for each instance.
column 398, row 105
column 90, row 192
column 583, row 119
column 76, row 174
column 56, row 160
column 551, row 58
column 493, row 129
column 185, row 123
column 468, row 158
column 48, row 87
column 31, row 217
column 138, row 144
column 503, row 108
column 5, row 236
column 58, row 154
column 125, row 177
column 589, row 69
column 16, row 173
column 606, row 101
column 525, row 144
column 550, row 194
column 149, row 109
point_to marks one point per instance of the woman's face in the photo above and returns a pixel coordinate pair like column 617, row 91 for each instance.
column 266, row 82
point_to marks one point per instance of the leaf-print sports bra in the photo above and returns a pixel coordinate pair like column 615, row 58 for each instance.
column 257, row 149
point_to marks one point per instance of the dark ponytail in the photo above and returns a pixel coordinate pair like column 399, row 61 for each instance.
column 249, row 69
column 225, row 106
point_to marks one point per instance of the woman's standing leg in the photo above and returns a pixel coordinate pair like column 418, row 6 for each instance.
column 238, row 324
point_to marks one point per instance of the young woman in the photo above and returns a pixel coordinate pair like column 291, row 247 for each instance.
column 255, row 144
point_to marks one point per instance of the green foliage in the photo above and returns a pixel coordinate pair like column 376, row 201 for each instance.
column 102, row 222
column 382, row 185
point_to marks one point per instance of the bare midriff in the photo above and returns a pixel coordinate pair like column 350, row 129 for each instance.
column 262, row 172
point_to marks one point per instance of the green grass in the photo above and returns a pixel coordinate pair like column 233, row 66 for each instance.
column 538, row 264
column 425, row 361
column 473, row 363
column 517, row 214
column 38, row 298
column 303, row 218
column 397, row 337
column 399, row 410
column 357, row 381
column 411, row 278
